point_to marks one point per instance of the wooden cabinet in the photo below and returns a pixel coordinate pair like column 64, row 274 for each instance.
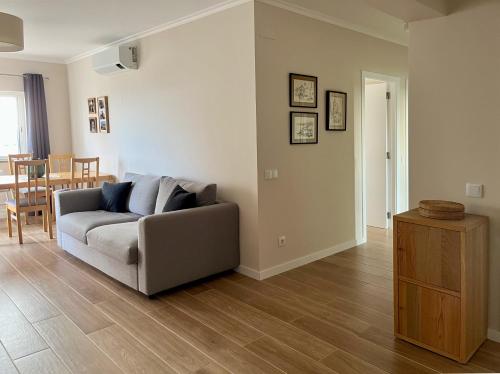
column 441, row 283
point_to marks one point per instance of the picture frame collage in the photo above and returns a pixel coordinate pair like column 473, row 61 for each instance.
column 98, row 114
column 303, row 91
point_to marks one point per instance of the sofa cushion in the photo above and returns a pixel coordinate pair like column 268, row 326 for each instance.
column 118, row 241
column 180, row 199
column 143, row 194
column 167, row 185
column 79, row 223
column 206, row 193
column 114, row 196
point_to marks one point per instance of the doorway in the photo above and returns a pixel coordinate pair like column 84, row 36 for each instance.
column 381, row 162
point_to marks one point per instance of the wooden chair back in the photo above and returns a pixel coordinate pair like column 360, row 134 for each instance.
column 60, row 163
column 82, row 175
column 18, row 157
column 34, row 184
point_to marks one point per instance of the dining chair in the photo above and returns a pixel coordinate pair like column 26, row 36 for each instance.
column 82, row 175
column 38, row 200
column 59, row 163
column 18, row 157
column 12, row 158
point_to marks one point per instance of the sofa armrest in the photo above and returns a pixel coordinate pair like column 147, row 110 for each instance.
column 186, row 245
column 70, row 201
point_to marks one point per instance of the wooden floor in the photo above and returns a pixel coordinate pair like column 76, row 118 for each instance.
column 59, row 315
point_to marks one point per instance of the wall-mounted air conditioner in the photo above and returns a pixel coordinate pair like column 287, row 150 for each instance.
column 115, row 59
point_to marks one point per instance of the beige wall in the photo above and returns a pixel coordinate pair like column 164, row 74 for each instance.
column 189, row 111
column 312, row 201
column 455, row 117
column 56, row 96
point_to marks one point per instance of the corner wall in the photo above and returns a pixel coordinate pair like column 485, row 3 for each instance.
column 189, row 111
column 312, row 202
column 455, row 118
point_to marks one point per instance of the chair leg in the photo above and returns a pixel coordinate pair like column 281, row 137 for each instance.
column 44, row 219
column 9, row 222
column 49, row 223
column 19, row 229
column 26, row 220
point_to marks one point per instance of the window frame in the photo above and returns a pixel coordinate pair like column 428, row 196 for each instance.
column 22, row 131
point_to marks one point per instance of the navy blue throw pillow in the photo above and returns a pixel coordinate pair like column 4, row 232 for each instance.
column 180, row 199
column 114, row 196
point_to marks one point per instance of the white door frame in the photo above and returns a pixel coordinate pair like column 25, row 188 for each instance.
column 398, row 146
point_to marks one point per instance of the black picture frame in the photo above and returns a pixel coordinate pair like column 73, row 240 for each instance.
column 329, row 126
column 308, row 78
column 293, row 124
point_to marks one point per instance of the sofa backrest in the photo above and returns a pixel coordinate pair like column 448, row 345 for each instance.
column 144, row 192
column 150, row 193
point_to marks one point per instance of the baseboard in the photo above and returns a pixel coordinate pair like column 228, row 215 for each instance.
column 494, row 335
column 295, row 263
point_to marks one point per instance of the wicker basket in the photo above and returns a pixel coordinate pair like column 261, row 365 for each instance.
column 440, row 209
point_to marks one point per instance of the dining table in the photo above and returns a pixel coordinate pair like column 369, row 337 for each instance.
column 55, row 179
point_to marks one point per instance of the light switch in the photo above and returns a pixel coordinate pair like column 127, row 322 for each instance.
column 268, row 174
column 275, row 173
column 473, row 190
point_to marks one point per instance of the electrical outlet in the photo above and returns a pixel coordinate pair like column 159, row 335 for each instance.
column 281, row 241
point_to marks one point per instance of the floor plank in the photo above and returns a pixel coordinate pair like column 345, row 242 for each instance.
column 17, row 335
column 77, row 352
column 6, row 364
column 43, row 362
column 228, row 354
column 286, row 358
column 231, row 328
column 32, row 304
column 77, row 308
column 269, row 325
column 180, row 355
column 343, row 362
column 130, row 355
column 363, row 349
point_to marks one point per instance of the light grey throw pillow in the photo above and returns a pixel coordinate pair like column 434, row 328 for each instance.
column 143, row 194
column 167, row 185
column 206, row 194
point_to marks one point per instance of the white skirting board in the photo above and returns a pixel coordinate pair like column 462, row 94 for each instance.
column 281, row 268
column 494, row 335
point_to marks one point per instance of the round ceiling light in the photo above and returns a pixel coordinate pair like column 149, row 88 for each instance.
column 11, row 33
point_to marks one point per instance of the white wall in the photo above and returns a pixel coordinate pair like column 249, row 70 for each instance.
column 189, row 111
column 455, row 117
column 313, row 200
column 56, row 96
column 375, row 135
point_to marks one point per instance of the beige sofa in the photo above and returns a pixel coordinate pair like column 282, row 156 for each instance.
column 143, row 248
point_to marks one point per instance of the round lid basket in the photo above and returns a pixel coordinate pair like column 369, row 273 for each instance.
column 441, row 209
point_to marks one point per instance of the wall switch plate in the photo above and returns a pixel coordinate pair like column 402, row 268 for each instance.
column 268, row 174
column 474, row 190
column 275, row 173
column 281, row 241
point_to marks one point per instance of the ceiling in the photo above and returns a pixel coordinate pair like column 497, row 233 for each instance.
column 60, row 30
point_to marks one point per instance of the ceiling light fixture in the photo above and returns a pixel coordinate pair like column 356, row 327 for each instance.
column 11, row 33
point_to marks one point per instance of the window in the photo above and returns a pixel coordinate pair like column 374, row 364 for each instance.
column 12, row 124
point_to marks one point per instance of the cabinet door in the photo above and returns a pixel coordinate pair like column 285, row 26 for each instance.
column 429, row 255
column 429, row 317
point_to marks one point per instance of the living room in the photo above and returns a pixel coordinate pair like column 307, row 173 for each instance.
column 275, row 269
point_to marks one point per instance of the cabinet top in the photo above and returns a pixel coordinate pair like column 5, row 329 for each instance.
column 470, row 221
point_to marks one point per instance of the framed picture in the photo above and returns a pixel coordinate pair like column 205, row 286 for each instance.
column 103, row 113
column 93, row 124
column 303, row 128
column 303, row 91
column 336, row 111
column 92, row 105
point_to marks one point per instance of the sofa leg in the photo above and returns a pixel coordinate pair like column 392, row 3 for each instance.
column 151, row 297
